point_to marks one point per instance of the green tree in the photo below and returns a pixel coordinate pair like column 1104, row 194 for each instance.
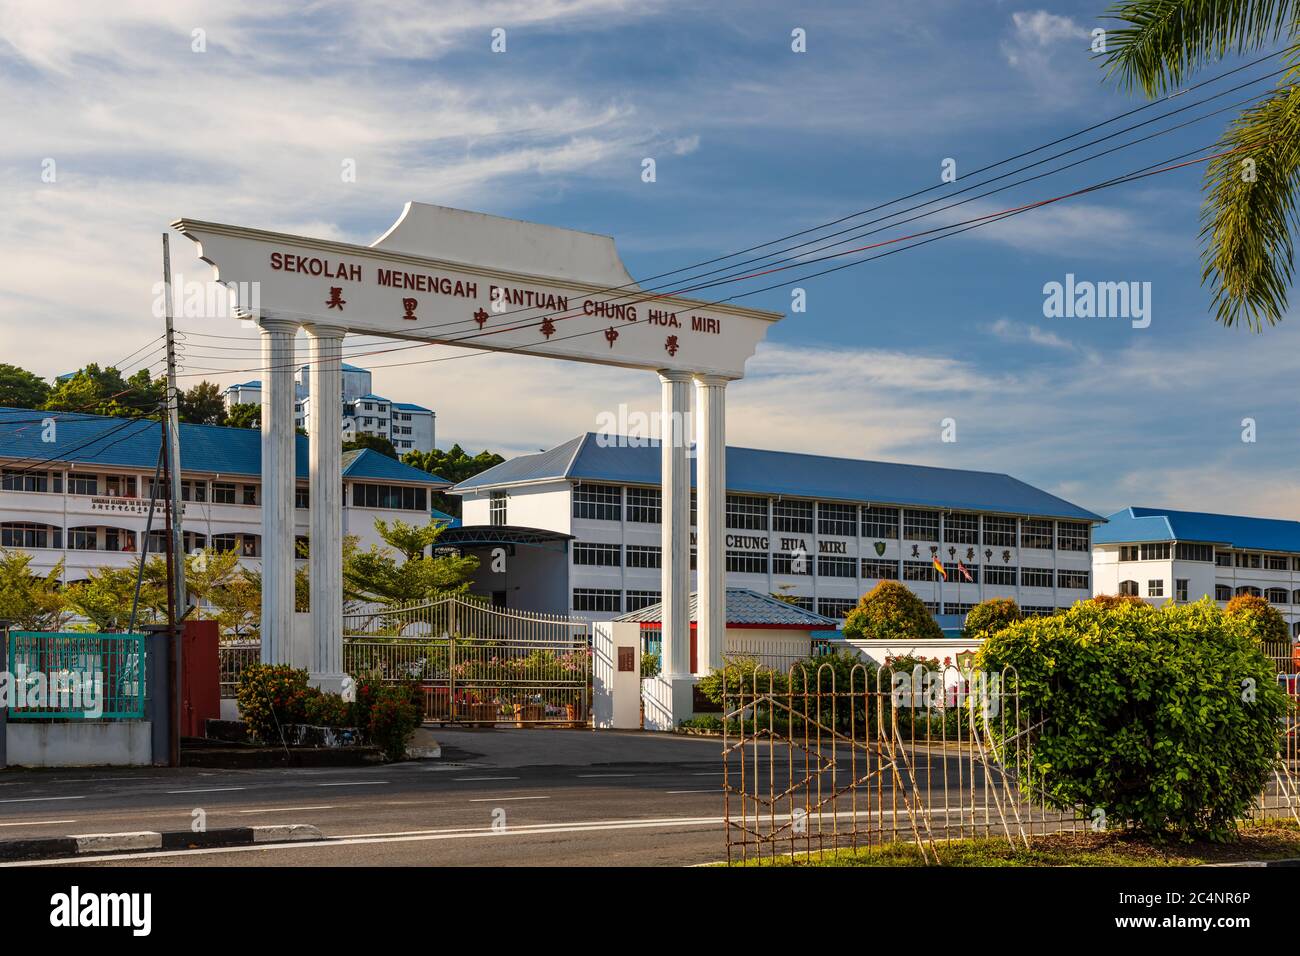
column 890, row 611
column 238, row 604
column 20, row 388
column 202, row 405
column 105, row 598
column 376, row 442
column 206, row 572
column 989, row 617
column 1261, row 620
column 103, row 391
column 404, row 571
column 244, row 415
column 1249, row 220
column 32, row 601
column 455, row 466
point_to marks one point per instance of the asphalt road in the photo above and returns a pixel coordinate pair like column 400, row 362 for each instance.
column 497, row 797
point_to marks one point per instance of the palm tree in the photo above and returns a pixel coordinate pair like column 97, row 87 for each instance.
column 1249, row 220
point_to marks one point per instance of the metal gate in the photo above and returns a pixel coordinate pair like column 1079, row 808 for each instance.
column 477, row 664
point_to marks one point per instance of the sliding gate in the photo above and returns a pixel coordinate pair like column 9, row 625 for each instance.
column 477, row 664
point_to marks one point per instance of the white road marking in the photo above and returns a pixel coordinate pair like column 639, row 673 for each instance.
column 39, row 799
column 331, row 806
column 35, row 823
column 354, row 783
column 209, row 790
column 472, row 779
column 601, row 776
column 692, row 791
column 500, row 799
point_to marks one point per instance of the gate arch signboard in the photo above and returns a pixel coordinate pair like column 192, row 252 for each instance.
column 455, row 277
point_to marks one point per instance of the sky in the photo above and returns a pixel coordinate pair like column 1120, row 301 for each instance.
column 120, row 118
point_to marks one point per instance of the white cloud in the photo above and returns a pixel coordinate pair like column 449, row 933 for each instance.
column 1009, row 331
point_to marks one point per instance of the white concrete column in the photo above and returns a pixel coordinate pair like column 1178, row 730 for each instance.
column 676, row 479
column 326, row 546
column 278, row 477
column 711, row 485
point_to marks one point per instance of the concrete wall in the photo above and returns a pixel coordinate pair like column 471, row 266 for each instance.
column 80, row 743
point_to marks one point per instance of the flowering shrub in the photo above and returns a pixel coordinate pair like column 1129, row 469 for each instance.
column 328, row 710
column 394, row 716
column 270, row 696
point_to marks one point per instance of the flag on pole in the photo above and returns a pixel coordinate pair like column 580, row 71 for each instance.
column 964, row 573
column 938, row 566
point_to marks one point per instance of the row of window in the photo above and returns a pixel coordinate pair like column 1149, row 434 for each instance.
column 23, row 534
column 1222, row 592
column 1253, row 560
column 750, row 513
column 756, row 562
column 366, row 495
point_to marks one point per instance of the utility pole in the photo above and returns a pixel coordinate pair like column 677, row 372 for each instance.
column 173, row 444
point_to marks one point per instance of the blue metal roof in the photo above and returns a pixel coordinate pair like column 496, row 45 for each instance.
column 1162, row 524
column 411, row 407
column 133, row 443
column 592, row 457
column 743, row 607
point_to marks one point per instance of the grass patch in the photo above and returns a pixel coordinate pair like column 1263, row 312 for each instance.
column 1270, row 840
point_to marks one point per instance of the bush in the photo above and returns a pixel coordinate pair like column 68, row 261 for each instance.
column 649, row 665
column 989, row 617
column 394, row 715
column 270, row 696
column 1256, row 617
column 1116, row 600
column 1168, row 720
column 328, row 710
column 891, row 612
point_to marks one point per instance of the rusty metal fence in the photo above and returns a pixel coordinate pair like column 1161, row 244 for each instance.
column 818, row 760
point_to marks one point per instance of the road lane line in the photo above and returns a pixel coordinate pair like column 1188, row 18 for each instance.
column 39, row 799
column 471, row 779
column 209, row 790
column 354, row 783
column 331, row 806
column 35, row 823
column 693, row 791
column 501, row 799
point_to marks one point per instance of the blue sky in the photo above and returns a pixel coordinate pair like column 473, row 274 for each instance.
column 751, row 141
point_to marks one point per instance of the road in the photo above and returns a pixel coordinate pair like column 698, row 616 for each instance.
column 497, row 797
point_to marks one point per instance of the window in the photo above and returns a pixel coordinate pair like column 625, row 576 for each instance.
column 1249, row 589
column 1072, row 535
column 880, row 522
column 788, row 563
column 302, row 498
column 920, row 525
column 1031, row 610
column 389, row 496
column 17, row 479
column 250, row 494
column 225, row 542
column 1246, row 560
column 1194, row 552
column 835, row 607
column 1223, row 559
column 24, row 534
column 597, row 555
column 639, row 599
column 1073, row 580
column 645, row 505
column 602, row 600
column 1156, row 587
column 796, row 516
column 840, row 520
column 1295, row 596
column 1036, row 577
column 746, row 513
column 919, row 571
column 119, row 539
column 119, row 486
column 250, row 545
column 961, row 528
column 497, row 508
column 828, row 567
column 801, row 602
column 196, row 490
column 1275, row 562
column 223, row 493
column 1158, row 551
column 79, row 484
column 1180, row 589
column 83, row 539
column 598, row 502
column 879, row 570
column 1130, row 552
column 999, row 532
column 1004, row 576
column 1278, row 596
column 1036, row 533
column 644, row 556
column 746, row 562
column 1222, row 592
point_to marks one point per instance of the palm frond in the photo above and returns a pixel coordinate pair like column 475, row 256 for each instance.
column 1166, row 40
column 1248, row 224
